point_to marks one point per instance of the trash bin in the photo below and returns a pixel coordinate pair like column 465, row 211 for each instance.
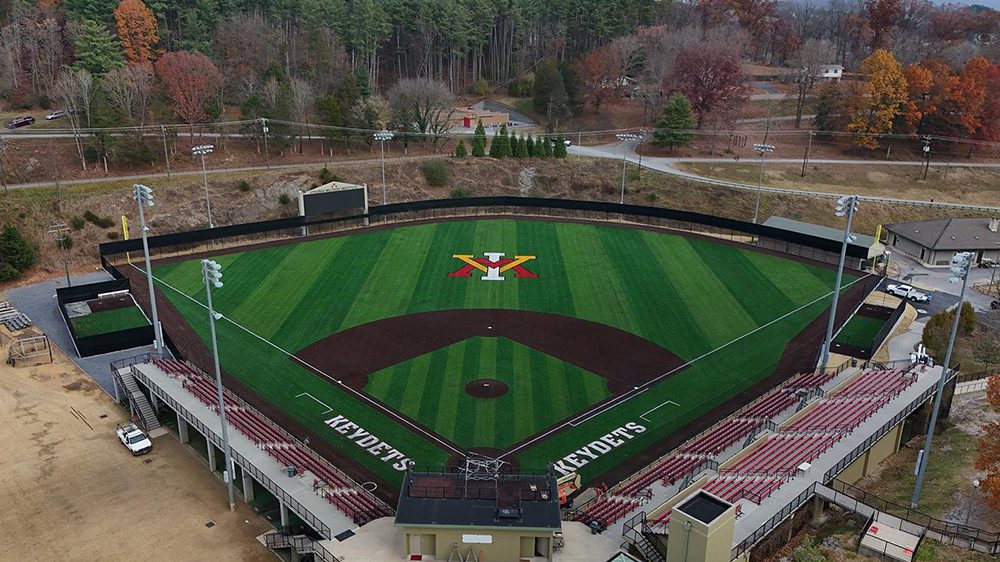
column 291, row 471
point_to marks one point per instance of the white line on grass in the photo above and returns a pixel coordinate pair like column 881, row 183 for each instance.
column 643, row 416
column 405, row 422
column 639, row 389
column 328, row 408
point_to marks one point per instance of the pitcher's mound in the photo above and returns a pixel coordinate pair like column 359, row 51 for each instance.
column 486, row 388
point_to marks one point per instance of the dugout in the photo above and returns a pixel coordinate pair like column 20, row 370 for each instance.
column 125, row 325
column 506, row 517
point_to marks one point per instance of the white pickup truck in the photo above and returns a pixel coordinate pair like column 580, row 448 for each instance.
column 134, row 439
column 907, row 292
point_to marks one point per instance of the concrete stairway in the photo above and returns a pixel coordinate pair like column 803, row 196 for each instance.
column 137, row 400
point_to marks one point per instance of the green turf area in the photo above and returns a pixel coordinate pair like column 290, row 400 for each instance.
column 431, row 388
column 859, row 331
column 108, row 321
column 729, row 310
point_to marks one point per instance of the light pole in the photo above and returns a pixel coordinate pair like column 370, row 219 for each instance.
column 960, row 264
column 927, row 156
column 143, row 195
column 263, row 132
column 972, row 500
column 202, row 150
column 846, row 205
column 212, row 274
column 625, row 138
column 381, row 137
column 60, row 231
column 762, row 148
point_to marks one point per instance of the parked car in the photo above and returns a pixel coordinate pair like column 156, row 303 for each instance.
column 134, row 439
column 20, row 122
column 986, row 263
column 995, row 305
column 55, row 115
column 907, row 292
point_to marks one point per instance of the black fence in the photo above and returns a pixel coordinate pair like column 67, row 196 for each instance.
column 805, row 245
column 97, row 344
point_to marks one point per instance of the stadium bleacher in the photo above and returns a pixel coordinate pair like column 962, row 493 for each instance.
column 12, row 319
column 330, row 483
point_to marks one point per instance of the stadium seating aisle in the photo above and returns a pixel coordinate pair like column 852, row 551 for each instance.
column 333, row 486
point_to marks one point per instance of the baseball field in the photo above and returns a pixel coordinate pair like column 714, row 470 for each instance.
column 539, row 342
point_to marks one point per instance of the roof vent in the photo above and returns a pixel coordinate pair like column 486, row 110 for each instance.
column 994, row 224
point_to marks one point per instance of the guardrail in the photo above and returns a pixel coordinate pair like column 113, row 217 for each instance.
column 301, row 544
column 277, row 491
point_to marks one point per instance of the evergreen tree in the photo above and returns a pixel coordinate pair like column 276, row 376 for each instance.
column 97, row 50
column 532, row 150
column 495, row 150
column 505, row 149
column 550, row 98
column 674, row 123
column 522, row 148
column 831, row 110
column 15, row 252
column 546, row 143
column 559, row 150
column 479, row 141
column 460, row 151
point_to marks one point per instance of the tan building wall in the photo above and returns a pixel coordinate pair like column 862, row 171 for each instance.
column 507, row 545
column 866, row 463
column 691, row 540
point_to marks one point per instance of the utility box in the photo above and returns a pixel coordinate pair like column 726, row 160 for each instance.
column 701, row 529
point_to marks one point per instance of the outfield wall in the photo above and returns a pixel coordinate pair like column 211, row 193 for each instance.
column 774, row 239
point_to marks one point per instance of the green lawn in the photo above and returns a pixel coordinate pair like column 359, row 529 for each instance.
column 689, row 296
column 859, row 331
column 542, row 391
column 108, row 321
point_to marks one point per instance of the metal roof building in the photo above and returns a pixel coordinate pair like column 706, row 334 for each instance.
column 934, row 242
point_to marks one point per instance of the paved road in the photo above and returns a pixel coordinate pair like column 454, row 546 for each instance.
column 621, row 151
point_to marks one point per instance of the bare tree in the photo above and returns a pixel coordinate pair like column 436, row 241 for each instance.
column 245, row 45
column 422, row 105
column 371, row 112
column 75, row 89
column 43, row 44
column 129, row 89
column 303, row 98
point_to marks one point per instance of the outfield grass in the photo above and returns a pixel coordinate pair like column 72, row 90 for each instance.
column 108, row 321
column 542, row 391
column 859, row 331
column 690, row 296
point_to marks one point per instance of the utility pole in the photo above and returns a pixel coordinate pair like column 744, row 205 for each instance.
column 263, row 129
column 3, row 150
column 60, row 231
column 166, row 154
column 805, row 158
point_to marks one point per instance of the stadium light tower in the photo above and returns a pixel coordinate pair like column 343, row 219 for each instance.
column 626, row 138
column 846, row 206
column 202, row 150
column 961, row 262
column 763, row 149
column 211, row 272
column 381, row 137
column 143, row 195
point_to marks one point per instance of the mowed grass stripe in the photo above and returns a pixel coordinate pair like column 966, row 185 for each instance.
column 491, row 236
column 520, row 392
column 452, row 366
column 700, row 290
column 654, row 303
column 550, row 291
column 266, row 308
column 756, row 294
column 331, row 294
column 391, row 281
column 797, row 281
column 434, row 289
column 596, row 289
column 494, row 362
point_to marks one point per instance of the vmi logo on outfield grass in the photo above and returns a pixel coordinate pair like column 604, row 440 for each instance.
column 494, row 265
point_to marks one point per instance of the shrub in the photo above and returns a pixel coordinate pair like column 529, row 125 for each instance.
column 326, row 176
column 112, row 235
column 435, row 172
column 284, row 199
column 8, row 273
column 245, row 185
column 460, row 151
column 15, row 250
column 101, row 222
column 77, row 223
column 459, row 193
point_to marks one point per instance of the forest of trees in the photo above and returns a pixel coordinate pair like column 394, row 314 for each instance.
column 377, row 63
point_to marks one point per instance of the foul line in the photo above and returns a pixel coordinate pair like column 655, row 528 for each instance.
column 328, row 408
column 405, row 422
column 642, row 388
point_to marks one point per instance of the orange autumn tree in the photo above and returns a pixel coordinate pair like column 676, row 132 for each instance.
column 876, row 102
column 137, row 31
column 988, row 446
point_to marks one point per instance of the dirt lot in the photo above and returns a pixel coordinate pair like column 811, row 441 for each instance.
column 74, row 493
